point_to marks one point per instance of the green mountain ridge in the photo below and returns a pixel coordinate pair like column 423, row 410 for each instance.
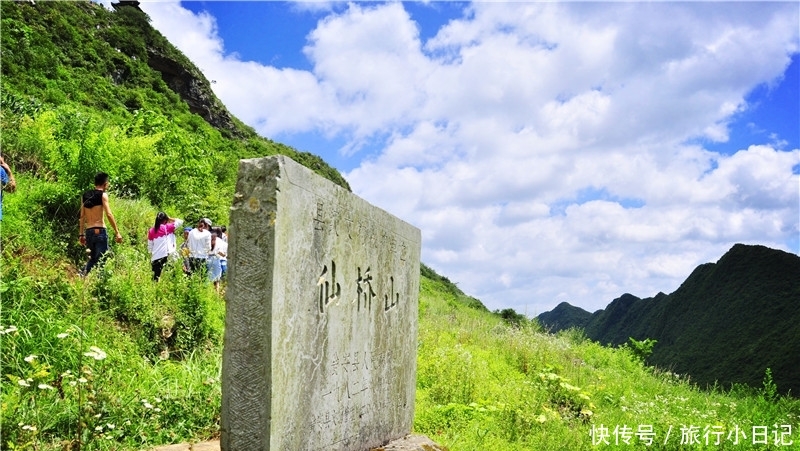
column 725, row 324
column 103, row 68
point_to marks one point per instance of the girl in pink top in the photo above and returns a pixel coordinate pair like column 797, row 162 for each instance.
column 161, row 241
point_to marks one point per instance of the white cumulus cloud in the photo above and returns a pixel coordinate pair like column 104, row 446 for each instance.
column 544, row 149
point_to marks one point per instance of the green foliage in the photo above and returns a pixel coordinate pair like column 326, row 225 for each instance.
column 88, row 71
column 112, row 361
column 17, row 106
column 640, row 350
column 511, row 317
column 769, row 391
column 727, row 322
column 66, row 390
column 172, row 318
column 455, row 293
column 117, row 361
column 484, row 384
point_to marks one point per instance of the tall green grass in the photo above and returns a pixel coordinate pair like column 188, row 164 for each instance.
column 486, row 384
column 110, row 361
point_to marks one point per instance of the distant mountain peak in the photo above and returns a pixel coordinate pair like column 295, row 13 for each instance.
column 726, row 323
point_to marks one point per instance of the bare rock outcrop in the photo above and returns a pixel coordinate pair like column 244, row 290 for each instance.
column 194, row 89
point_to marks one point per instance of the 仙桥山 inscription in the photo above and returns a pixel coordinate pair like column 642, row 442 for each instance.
column 321, row 316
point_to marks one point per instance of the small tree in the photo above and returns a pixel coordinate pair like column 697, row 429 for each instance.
column 640, row 350
column 511, row 317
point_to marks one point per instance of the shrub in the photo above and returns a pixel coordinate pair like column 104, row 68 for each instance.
column 170, row 318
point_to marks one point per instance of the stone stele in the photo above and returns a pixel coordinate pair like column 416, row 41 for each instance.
column 321, row 316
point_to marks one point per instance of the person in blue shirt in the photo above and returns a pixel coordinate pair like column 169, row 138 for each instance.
column 7, row 181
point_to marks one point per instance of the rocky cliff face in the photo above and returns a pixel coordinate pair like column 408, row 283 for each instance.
column 194, row 89
column 189, row 83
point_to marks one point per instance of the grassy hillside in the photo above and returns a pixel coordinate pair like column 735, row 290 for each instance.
column 85, row 89
column 117, row 362
column 485, row 385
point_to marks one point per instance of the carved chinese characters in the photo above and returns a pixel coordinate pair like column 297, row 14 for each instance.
column 321, row 320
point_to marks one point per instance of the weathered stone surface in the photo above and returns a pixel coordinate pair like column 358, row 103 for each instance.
column 411, row 443
column 321, row 319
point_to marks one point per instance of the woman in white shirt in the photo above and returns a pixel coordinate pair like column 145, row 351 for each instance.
column 199, row 244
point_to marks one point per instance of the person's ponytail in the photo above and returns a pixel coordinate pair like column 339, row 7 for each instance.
column 161, row 218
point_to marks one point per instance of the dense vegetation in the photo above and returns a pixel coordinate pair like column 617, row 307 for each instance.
column 80, row 93
column 115, row 362
column 727, row 323
column 484, row 384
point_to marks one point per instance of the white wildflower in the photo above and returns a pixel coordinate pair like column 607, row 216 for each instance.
column 28, row 427
column 62, row 335
column 24, row 383
column 30, row 358
column 8, row 330
column 96, row 353
column 46, row 387
column 82, row 380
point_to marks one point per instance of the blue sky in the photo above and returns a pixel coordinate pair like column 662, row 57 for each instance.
column 274, row 34
column 548, row 151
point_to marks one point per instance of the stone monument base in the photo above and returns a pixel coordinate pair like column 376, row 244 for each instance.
column 410, row 442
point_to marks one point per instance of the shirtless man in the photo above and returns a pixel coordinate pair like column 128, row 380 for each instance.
column 92, row 227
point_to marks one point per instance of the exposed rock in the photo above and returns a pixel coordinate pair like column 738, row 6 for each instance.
column 194, row 90
column 121, row 3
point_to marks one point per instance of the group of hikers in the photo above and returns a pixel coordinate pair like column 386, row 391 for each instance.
column 204, row 249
